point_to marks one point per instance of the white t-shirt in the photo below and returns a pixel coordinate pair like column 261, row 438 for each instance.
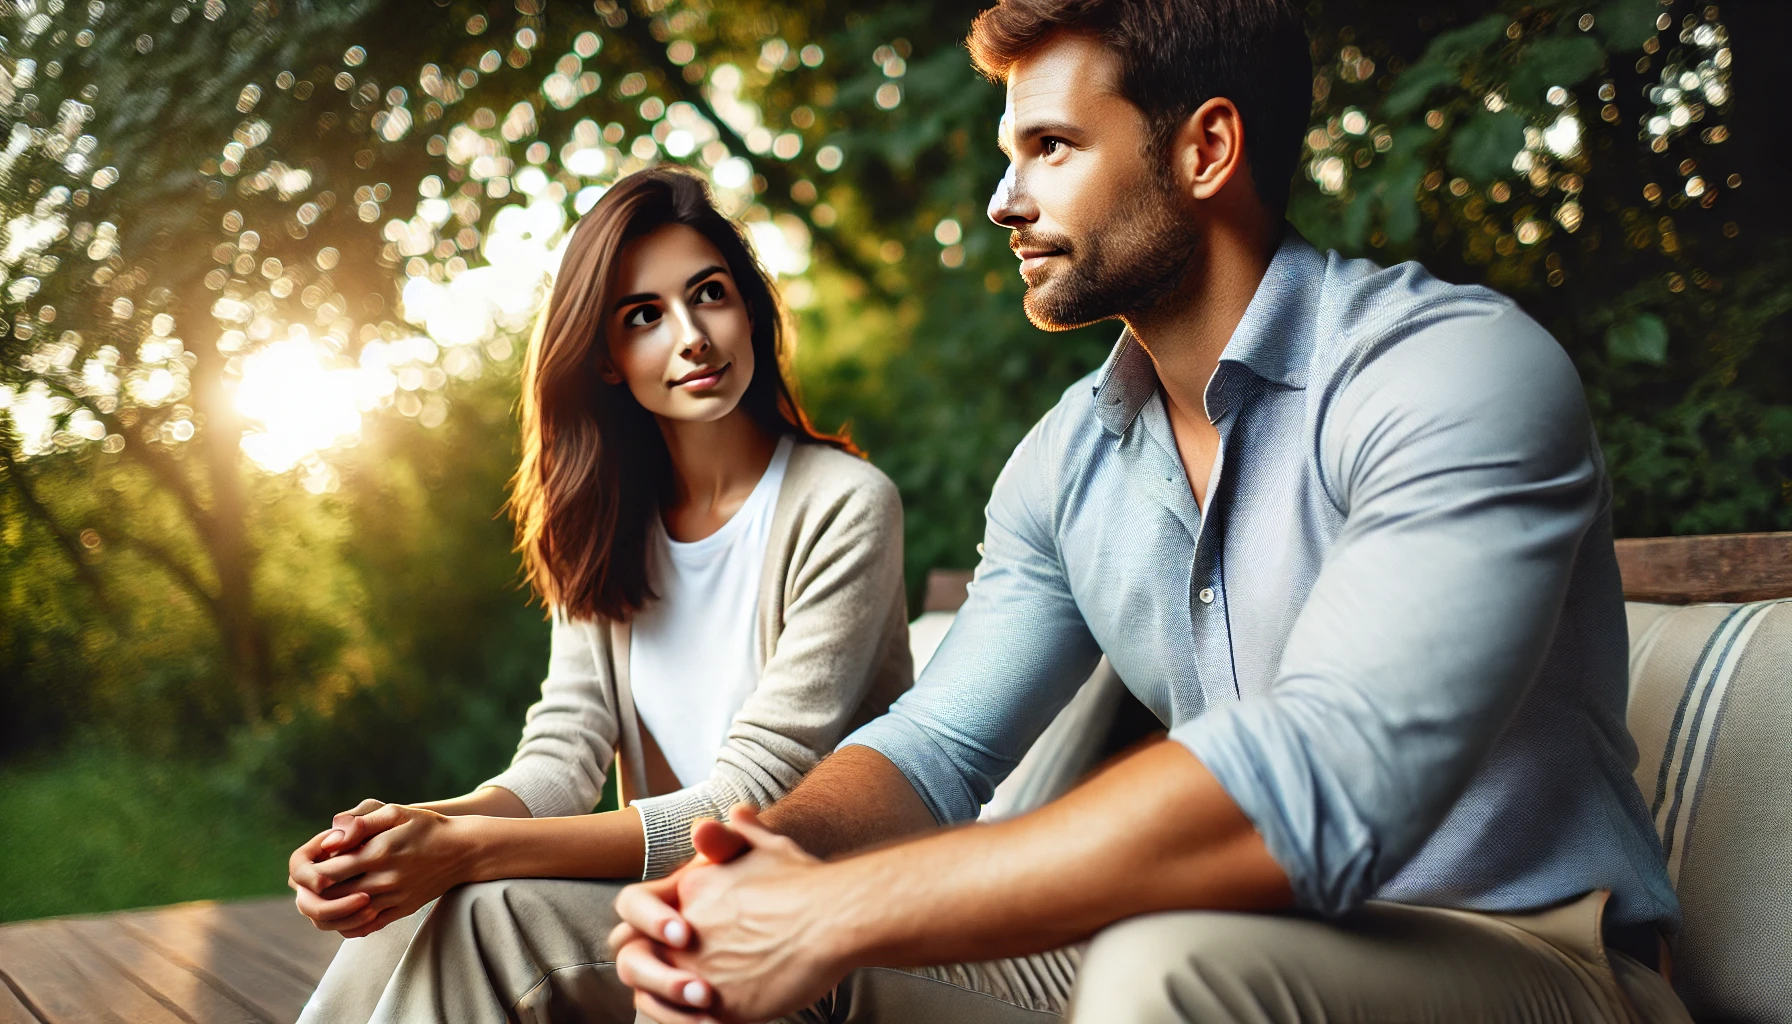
column 694, row 653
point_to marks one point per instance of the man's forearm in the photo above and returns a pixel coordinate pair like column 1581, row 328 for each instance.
column 854, row 799
column 1154, row 831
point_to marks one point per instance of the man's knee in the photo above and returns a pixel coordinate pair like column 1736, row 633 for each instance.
column 1183, row 966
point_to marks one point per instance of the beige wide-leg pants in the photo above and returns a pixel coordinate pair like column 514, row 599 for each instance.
column 1386, row 962
column 533, row 951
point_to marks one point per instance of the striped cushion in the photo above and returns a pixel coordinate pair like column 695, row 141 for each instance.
column 1711, row 710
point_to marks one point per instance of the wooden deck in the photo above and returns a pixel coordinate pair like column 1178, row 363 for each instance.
column 250, row 962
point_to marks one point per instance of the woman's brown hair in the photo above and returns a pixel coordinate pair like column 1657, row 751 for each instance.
column 595, row 468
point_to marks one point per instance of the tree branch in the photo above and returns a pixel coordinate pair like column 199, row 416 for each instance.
column 175, row 568
column 160, row 465
column 777, row 175
column 70, row 545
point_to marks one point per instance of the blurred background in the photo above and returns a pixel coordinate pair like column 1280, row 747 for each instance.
column 267, row 268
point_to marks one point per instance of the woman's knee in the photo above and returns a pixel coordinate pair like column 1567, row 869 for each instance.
column 576, row 914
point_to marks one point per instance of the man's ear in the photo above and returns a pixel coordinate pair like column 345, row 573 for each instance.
column 1208, row 151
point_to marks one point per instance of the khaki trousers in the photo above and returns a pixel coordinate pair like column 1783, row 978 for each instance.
column 533, row 951
column 1386, row 962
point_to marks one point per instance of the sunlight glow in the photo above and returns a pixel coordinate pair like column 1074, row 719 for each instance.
column 305, row 398
column 301, row 403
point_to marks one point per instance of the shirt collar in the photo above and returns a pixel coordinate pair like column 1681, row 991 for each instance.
column 1274, row 339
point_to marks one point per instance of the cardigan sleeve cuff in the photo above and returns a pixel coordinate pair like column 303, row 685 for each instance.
column 667, row 822
column 542, row 786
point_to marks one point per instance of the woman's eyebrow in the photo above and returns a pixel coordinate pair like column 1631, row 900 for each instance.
column 690, row 282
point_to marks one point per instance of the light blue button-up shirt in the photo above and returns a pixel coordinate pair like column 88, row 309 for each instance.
column 1397, row 635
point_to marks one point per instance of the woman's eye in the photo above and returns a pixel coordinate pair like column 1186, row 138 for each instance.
column 641, row 316
column 711, row 291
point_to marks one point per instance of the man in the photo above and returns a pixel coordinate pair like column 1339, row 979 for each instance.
column 1344, row 530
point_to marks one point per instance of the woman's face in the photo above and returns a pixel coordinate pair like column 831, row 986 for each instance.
column 679, row 336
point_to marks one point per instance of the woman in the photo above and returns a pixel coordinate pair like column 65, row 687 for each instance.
column 727, row 603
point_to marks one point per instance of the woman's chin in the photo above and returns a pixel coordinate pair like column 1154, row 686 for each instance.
column 700, row 406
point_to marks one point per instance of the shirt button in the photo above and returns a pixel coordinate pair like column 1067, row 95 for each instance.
column 1206, row 595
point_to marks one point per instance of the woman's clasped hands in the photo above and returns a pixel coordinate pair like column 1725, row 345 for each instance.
column 377, row 863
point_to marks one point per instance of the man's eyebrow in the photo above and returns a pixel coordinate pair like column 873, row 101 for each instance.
column 1037, row 129
column 690, row 282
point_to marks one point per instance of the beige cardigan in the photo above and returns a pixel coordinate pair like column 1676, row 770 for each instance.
column 833, row 631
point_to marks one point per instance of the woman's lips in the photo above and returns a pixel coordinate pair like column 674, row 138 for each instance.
column 702, row 380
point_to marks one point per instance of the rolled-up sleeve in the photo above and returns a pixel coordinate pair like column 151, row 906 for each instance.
column 1015, row 654
column 1464, row 463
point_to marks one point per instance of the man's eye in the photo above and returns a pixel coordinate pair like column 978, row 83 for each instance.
column 640, row 316
column 1050, row 145
column 710, row 291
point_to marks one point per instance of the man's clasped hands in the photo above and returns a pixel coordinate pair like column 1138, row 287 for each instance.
column 745, row 895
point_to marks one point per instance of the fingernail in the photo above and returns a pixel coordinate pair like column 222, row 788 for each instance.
column 336, row 836
column 676, row 932
column 695, row 994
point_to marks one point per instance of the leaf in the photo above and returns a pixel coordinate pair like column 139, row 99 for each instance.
column 1409, row 144
column 1485, row 145
column 1641, row 339
column 1563, row 60
column 1400, row 204
column 1412, row 87
column 1354, row 223
column 1458, row 45
column 1626, row 24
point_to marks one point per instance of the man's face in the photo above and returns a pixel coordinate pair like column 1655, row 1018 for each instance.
column 1099, row 227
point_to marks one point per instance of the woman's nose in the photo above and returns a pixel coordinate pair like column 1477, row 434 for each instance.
column 693, row 341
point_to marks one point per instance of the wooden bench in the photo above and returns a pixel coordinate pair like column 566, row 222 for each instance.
column 1660, row 570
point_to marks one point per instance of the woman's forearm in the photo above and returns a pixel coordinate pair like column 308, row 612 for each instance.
column 609, row 844
column 491, row 801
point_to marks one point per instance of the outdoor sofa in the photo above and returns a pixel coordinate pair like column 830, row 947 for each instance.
column 1711, row 712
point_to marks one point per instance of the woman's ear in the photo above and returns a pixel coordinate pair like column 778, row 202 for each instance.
column 607, row 372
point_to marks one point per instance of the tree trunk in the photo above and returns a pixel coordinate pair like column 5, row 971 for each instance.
column 225, row 531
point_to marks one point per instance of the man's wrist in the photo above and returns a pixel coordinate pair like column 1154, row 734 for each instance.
column 846, row 928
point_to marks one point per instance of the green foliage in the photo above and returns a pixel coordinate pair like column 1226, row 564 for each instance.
column 1483, row 147
column 441, row 655
column 1560, row 155
column 1628, row 24
column 1642, row 338
column 381, row 645
column 1559, row 60
column 92, row 830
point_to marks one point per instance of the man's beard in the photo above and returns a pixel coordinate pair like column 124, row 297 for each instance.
column 1128, row 265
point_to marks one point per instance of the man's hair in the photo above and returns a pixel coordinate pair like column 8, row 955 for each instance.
column 1176, row 55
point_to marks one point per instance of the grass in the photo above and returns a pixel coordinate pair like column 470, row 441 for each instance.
column 93, row 829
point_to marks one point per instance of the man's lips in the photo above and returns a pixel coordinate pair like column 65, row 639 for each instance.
column 702, row 378
column 1032, row 258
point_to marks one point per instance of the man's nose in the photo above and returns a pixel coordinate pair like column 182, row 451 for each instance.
column 1010, row 207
